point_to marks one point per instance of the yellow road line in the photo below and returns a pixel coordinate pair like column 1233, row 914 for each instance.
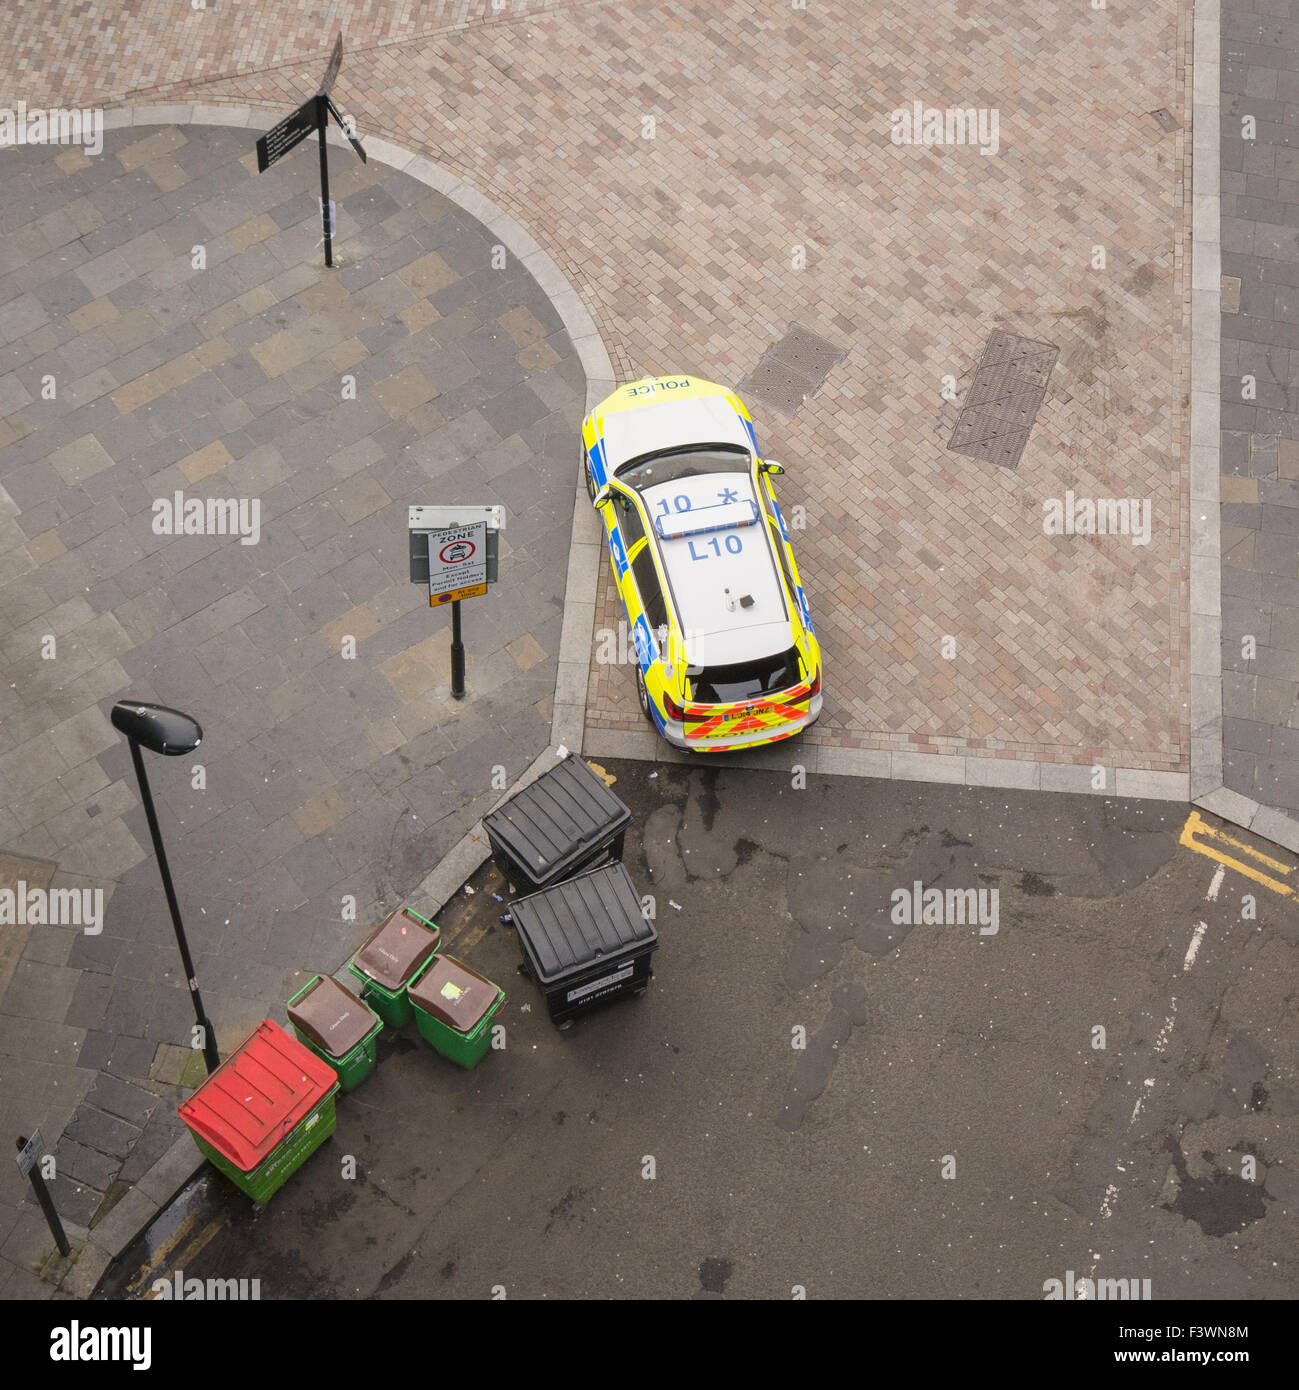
column 1195, row 826
column 166, row 1268
column 470, row 939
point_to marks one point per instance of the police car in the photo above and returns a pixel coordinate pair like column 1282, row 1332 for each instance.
column 726, row 653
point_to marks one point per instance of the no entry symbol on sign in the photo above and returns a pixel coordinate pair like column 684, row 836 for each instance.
column 457, row 552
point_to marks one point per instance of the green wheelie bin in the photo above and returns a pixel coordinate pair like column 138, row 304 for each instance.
column 454, row 1007
column 390, row 959
column 337, row 1026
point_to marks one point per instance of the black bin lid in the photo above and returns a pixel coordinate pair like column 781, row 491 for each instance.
column 555, row 820
column 581, row 922
column 332, row 1017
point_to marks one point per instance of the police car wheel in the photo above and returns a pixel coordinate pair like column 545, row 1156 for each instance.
column 643, row 695
column 590, row 481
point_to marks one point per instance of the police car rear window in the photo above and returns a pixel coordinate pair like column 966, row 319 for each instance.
column 672, row 464
column 723, row 685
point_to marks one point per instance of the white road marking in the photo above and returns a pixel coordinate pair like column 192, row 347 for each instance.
column 1141, row 1100
column 1161, row 1041
column 1193, row 949
column 1212, row 894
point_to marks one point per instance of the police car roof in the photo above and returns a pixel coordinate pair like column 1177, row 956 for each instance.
column 702, row 566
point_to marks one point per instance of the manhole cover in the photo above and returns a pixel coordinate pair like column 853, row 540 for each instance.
column 1003, row 400
column 792, row 370
column 810, row 354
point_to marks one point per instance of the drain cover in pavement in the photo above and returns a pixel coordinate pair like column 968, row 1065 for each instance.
column 792, row 370
column 1007, row 391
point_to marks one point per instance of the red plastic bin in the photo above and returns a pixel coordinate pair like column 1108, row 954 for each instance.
column 264, row 1110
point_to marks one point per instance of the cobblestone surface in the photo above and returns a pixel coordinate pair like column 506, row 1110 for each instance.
column 771, row 133
column 416, row 371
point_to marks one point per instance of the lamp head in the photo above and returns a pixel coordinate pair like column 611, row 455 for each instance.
column 157, row 728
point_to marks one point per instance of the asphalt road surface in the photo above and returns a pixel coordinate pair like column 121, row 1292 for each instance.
column 953, row 1127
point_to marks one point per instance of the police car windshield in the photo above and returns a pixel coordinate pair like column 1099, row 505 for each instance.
column 672, row 464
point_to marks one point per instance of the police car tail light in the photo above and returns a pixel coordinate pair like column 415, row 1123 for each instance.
column 672, row 709
column 815, row 687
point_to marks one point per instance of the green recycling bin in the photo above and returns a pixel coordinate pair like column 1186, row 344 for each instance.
column 390, row 959
column 337, row 1026
column 454, row 1007
column 264, row 1111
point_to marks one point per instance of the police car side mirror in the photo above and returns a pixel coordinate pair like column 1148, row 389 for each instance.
column 771, row 466
column 604, row 496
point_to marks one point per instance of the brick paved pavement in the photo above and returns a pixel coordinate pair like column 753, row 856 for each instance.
column 772, row 133
column 325, row 775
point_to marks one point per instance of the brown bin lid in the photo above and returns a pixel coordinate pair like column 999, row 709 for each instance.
column 453, row 993
column 397, row 949
column 332, row 1017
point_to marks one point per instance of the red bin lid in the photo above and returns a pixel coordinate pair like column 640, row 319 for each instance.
column 257, row 1095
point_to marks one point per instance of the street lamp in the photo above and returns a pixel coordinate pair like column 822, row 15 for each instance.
column 168, row 731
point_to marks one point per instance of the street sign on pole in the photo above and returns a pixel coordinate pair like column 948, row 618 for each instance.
column 454, row 551
column 313, row 114
column 335, row 62
column 457, row 563
column 30, row 1153
column 423, row 521
column 291, row 131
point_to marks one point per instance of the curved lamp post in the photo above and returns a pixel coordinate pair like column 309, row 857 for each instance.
column 167, row 731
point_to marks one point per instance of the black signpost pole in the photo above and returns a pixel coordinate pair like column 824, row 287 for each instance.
column 322, row 121
column 47, row 1204
column 457, row 654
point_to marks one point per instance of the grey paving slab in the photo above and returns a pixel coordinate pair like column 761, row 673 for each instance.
column 1260, row 571
column 191, row 384
column 106, row 1134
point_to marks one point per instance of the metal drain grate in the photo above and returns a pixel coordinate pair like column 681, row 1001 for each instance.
column 792, row 370
column 1007, row 392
